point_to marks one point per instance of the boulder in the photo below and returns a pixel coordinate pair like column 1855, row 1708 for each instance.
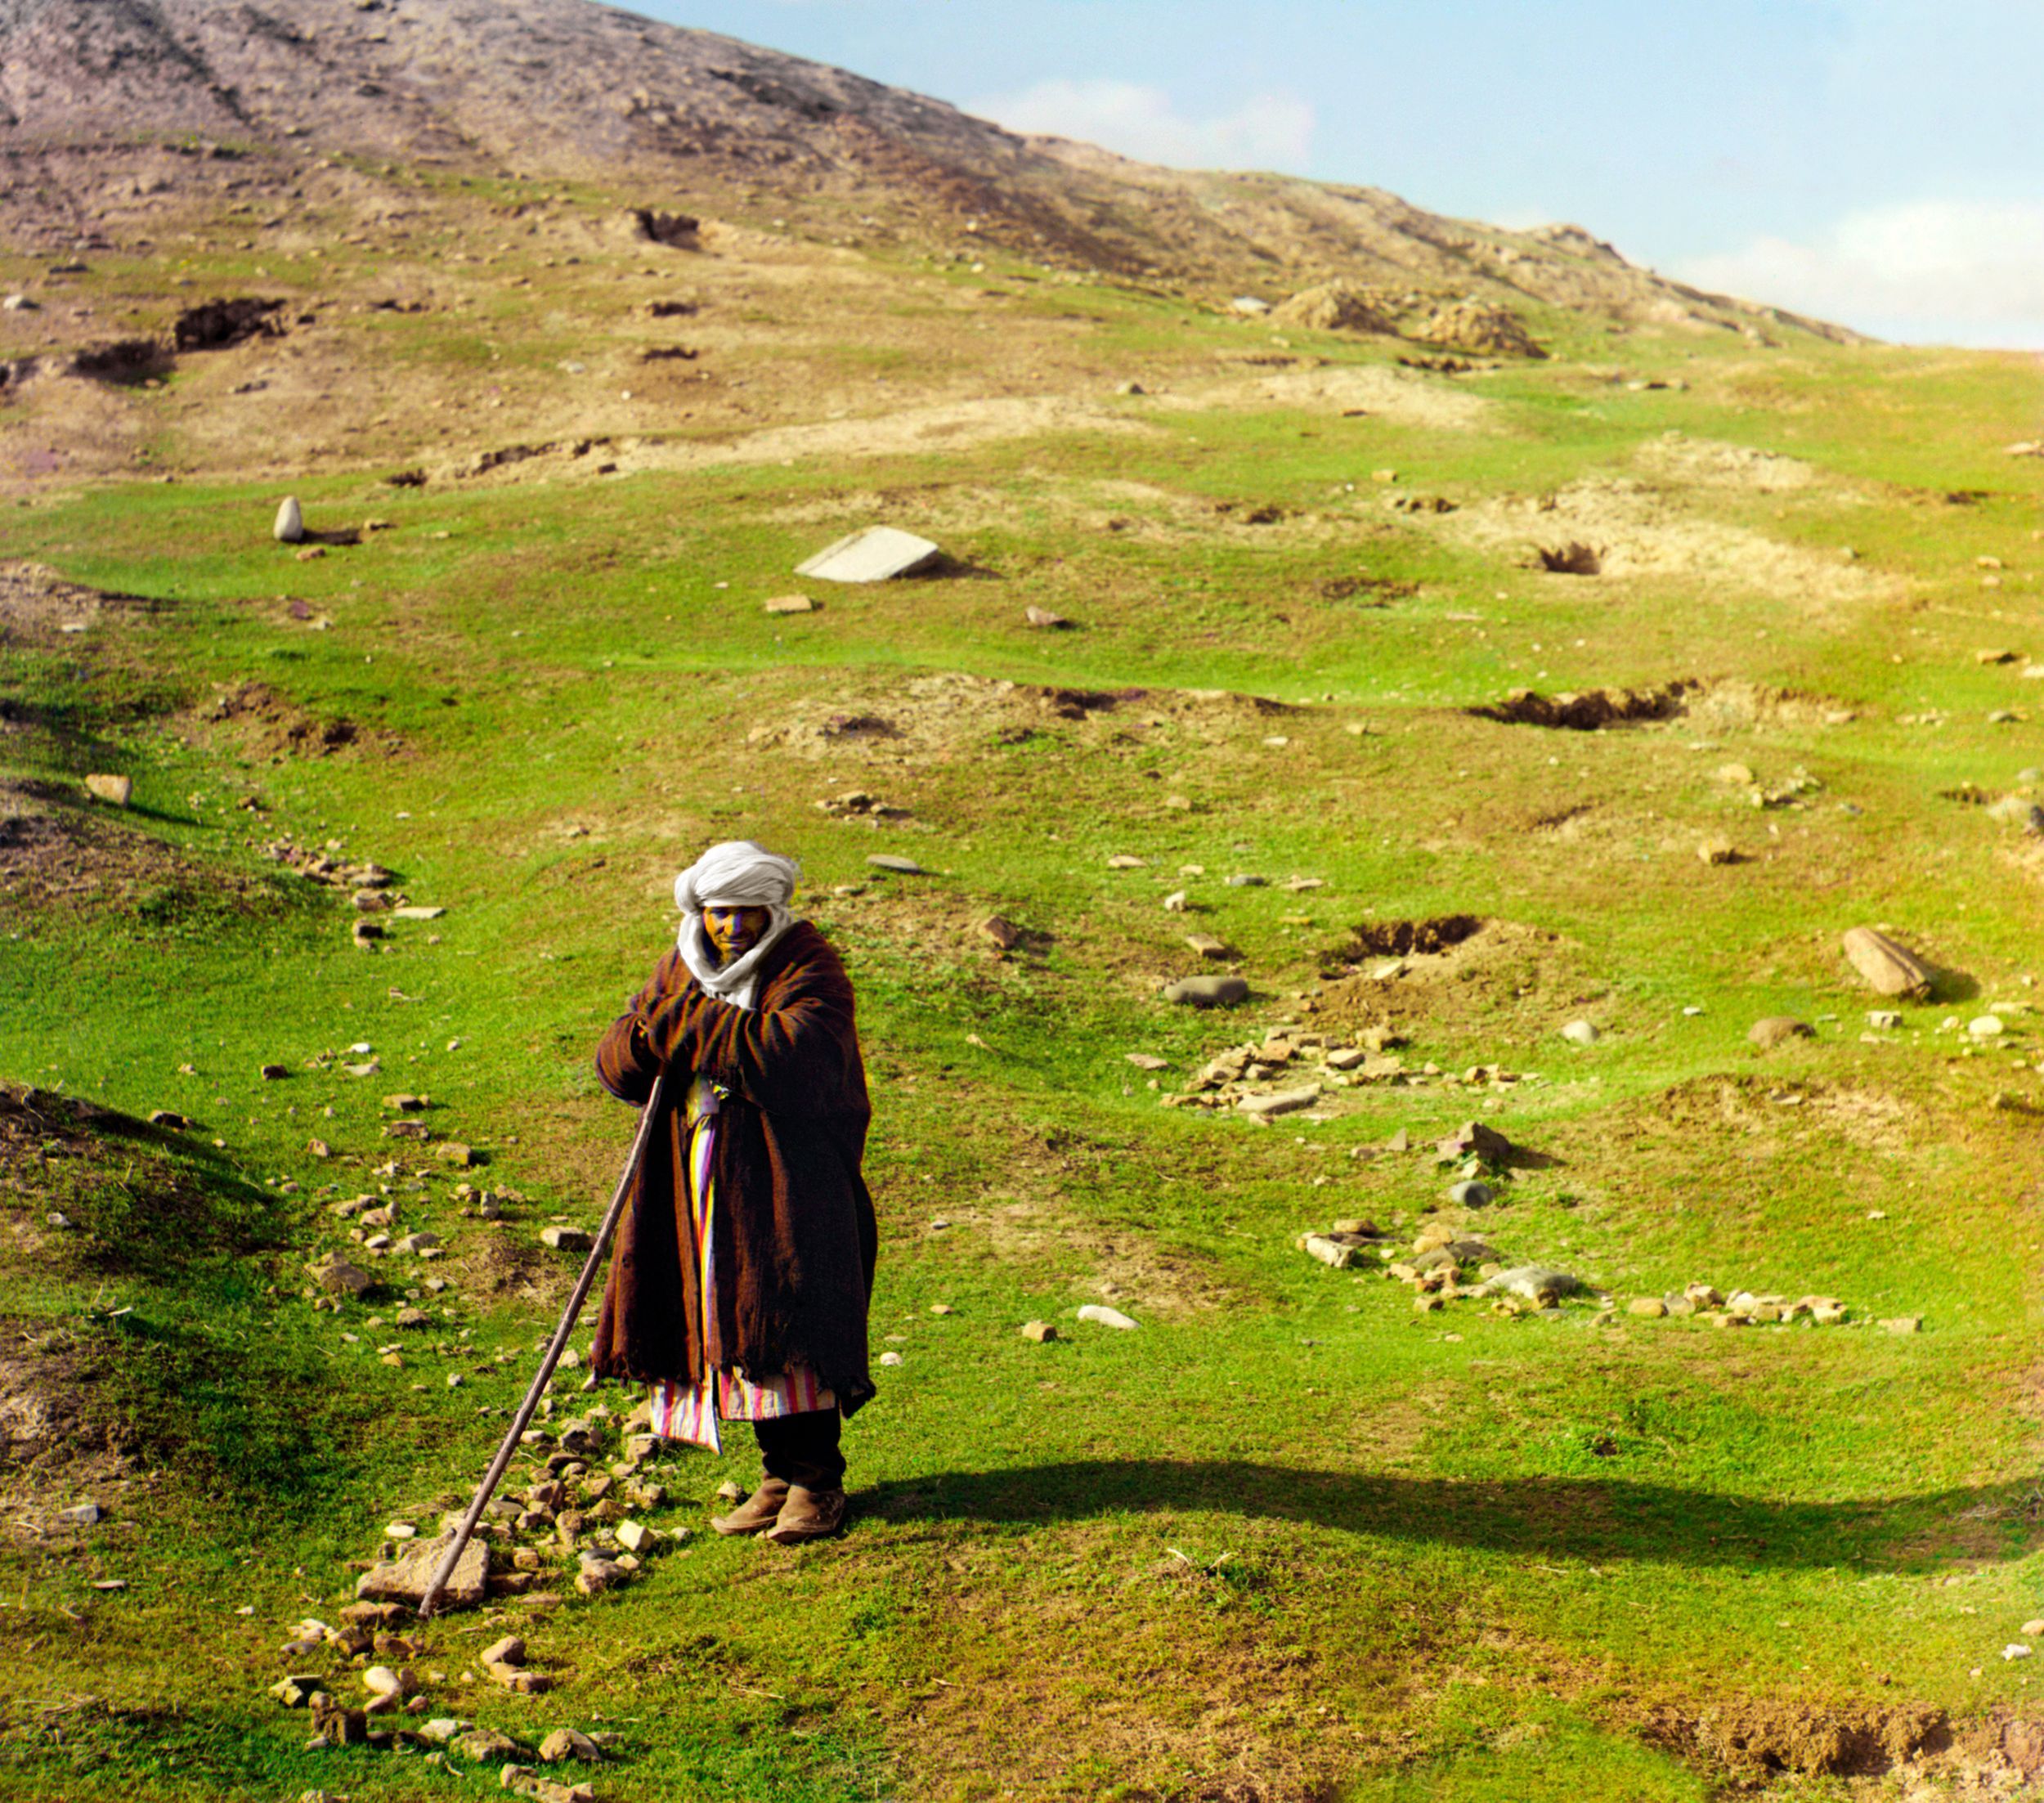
column 1889, row 968
column 405, row 1578
column 563, row 1238
column 118, row 790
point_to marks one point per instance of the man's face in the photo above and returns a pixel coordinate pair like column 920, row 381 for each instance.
column 734, row 932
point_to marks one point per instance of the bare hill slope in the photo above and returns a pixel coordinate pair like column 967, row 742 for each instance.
column 566, row 88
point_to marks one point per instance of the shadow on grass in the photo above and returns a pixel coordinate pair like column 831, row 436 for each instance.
column 1588, row 1518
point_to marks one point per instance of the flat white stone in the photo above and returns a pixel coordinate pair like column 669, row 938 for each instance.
column 874, row 555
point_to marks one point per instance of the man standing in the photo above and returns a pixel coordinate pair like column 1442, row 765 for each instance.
column 745, row 1263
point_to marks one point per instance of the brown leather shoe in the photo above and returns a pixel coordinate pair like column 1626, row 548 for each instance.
column 757, row 1513
column 807, row 1515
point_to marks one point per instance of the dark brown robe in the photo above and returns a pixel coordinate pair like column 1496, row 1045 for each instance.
column 795, row 1239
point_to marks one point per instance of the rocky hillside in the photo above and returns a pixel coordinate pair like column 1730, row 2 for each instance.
column 705, row 124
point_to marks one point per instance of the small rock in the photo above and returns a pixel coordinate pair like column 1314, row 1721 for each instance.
column 900, row 866
column 1581, row 1033
column 1240, row 880
column 563, row 1238
column 1985, row 1026
column 1207, row 992
column 2032, row 1628
column 1650, row 1307
column 290, row 521
column 118, row 790
column 891, row 1359
column 1001, row 932
column 1044, row 621
column 1039, row 1331
column 1719, row 851
column 1176, row 902
column 790, row 603
column 1904, row 1324
column 1886, row 1019
column 1207, row 945
column 381, row 1681
column 509, row 1651
column 2012, row 1650
column 636, row 1537
column 1777, row 1030
column 1122, row 860
column 598, row 1575
column 565, row 1743
column 1470, row 1194
column 84, row 1515
column 1104, row 1315
column 1144, row 1060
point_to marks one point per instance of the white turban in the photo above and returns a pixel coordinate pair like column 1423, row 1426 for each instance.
column 738, row 873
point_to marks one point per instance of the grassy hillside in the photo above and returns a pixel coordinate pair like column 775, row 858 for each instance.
column 1292, row 1537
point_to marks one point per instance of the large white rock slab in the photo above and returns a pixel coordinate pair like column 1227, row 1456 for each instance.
column 874, row 555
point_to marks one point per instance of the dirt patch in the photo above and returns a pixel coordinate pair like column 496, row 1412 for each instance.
column 1369, row 389
column 217, row 324
column 37, row 605
column 1753, row 1739
column 126, row 359
column 1711, row 463
column 264, row 724
column 940, row 718
column 1641, row 532
column 57, row 852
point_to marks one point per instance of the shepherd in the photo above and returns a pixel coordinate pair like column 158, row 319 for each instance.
column 744, row 1265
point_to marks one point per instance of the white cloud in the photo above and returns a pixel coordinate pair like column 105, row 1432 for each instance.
column 1266, row 132
column 1942, row 272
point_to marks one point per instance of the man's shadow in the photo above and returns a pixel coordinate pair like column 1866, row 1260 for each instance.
column 1588, row 1518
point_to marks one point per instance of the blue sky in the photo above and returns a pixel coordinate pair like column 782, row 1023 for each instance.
column 1880, row 161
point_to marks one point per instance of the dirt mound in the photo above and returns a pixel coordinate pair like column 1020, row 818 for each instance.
column 678, row 231
column 1753, row 1739
column 1723, row 705
column 1639, row 530
column 1401, row 938
column 1481, row 326
column 1710, row 463
column 1585, row 713
column 267, row 725
column 215, row 325
column 126, row 359
column 1335, row 306
column 56, row 853
column 1573, row 558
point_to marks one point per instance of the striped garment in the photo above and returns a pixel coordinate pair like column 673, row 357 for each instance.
column 691, row 1411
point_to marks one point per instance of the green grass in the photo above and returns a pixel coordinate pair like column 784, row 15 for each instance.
column 1289, row 1536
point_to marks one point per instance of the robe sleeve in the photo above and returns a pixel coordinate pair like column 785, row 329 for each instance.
column 627, row 1060
column 792, row 1053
